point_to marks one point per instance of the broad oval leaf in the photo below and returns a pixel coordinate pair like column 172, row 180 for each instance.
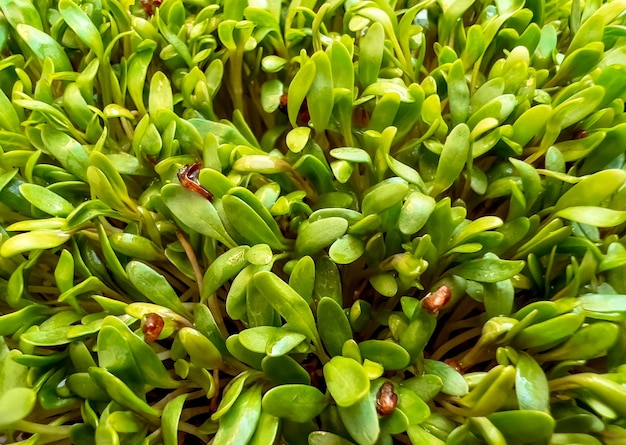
column 347, row 381
column 298, row 403
column 16, row 404
column 319, row 234
column 389, row 354
column 195, row 212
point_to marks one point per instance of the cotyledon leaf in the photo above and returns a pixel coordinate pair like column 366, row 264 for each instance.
column 248, row 223
column 195, row 212
column 155, row 287
column 288, row 303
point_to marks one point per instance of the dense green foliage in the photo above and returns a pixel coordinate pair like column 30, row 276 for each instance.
column 221, row 222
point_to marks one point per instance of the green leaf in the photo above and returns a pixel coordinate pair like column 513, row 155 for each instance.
column 302, row 278
column 361, row 419
column 82, row 26
column 333, row 325
column 136, row 246
column 347, row 381
column 195, row 212
column 248, row 223
column 285, row 370
column 389, row 354
column 170, row 419
column 151, row 367
column 319, row 234
column 488, row 270
column 21, row 11
column 299, row 88
column 267, row 430
column 16, row 404
column 26, row 242
column 125, row 422
column 588, row 342
column 371, row 47
column 452, row 159
column 68, row 151
column 593, row 216
column 320, row 95
column 298, row 403
column 9, row 120
column 44, row 46
column 114, row 355
column 297, row 138
column 548, row 332
column 160, row 97
column 453, row 383
column 202, row 352
column 458, row 92
column 384, row 195
column 415, row 409
column 121, row 393
column 288, row 303
column 224, row 268
column 533, row 426
column 578, row 63
column 346, row 249
column 326, row 438
column 271, row 340
column 238, row 424
column 155, row 287
column 415, row 212
column 531, row 384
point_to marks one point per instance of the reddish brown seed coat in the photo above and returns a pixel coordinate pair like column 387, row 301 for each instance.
column 435, row 301
column 188, row 177
column 580, row 134
column 454, row 364
column 386, row 399
column 147, row 6
column 152, row 326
